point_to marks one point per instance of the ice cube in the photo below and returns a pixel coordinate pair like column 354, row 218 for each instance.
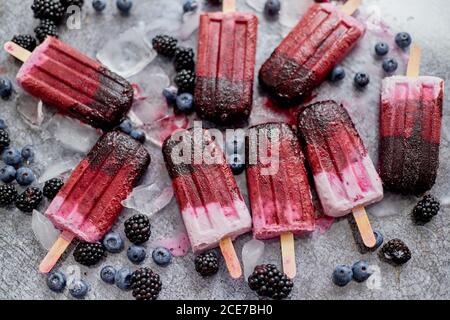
column 73, row 134
column 31, row 110
column 127, row 54
column 57, row 169
column 43, row 230
column 374, row 282
column 257, row 5
column 252, row 252
column 148, row 111
column 149, row 199
column 163, row 128
column 191, row 21
column 151, row 82
column 392, row 204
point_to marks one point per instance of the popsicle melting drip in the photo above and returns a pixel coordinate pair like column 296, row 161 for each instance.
column 280, row 202
column 225, row 66
column 344, row 175
column 303, row 60
column 90, row 201
column 410, row 133
column 62, row 77
column 210, row 202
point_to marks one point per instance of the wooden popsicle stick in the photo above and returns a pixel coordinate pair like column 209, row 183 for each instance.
column 231, row 259
column 351, row 6
column 415, row 56
column 364, row 227
column 56, row 252
column 288, row 254
column 17, row 51
column 229, row 6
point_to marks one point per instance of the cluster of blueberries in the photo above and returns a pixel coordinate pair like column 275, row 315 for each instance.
column 123, row 5
column 113, row 243
column 390, row 65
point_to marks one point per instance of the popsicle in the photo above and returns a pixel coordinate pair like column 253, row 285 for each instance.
column 63, row 77
column 344, row 175
column 90, row 201
column 211, row 205
column 303, row 60
column 225, row 65
column 410, row 129
column 281, row 202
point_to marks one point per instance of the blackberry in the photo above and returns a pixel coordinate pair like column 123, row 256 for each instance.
column 165, row 45
column 52, row 187
column 396, row 251
column 426, row 209
column 184, row 59
column 137, row 229
column 269, row 282
column 4, row 139
column 207, row 264
column 89, row 254
column 68, row 3
column 46, row 28
column 7, row 195
column 29, row 200
column 185, row 81
column 48, row 9
column 26, row 41
column 145, row 284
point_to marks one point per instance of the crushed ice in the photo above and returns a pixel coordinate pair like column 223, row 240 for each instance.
column 58, row 168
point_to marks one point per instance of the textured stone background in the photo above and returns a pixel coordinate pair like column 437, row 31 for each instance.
column 426, row 276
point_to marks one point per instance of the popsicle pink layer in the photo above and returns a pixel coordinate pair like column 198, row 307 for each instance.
column 281, row 202
column 303, row 60
column 344, row 174
column 63, row 77
column 90, row 201
column 209, row 199
column 410, row 133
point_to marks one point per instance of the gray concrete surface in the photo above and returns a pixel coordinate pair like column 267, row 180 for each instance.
column 426, row 276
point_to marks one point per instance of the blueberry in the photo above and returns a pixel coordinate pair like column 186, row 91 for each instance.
column 403, row 40
column 337, row 74
column 235, row 144
column 108, row 274
column 113, row 242
column 162, row 256
column 123, row 278
column 272, row 7
column 136, row 254
column 236, row 163
column 190, row 5
column 12, row 157
column 379, row 237
column 25, row 176
column 185, row 102
column 170, row 93
column 78, row 289
column 126, row 126
column 124, row 5
column 342, row 275
column 5, row 88
column 56, row 281
column 362, row 79
column 27, row 153
column 7, row 174
column 3, row 124
column 99, row 5
column 361, row 271
column 381, row 49
column 390, row 65
column 139, row 135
